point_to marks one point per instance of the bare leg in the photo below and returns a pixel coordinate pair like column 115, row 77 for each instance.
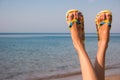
column 103, row 33
column 88, row 72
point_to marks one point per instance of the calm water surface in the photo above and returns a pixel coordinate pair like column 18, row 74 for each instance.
column 24, row 56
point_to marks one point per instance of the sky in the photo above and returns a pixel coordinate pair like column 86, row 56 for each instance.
column 48, row 16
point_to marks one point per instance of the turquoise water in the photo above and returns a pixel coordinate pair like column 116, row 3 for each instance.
column 24, row 56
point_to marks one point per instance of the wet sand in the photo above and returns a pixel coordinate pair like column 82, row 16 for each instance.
column 113, row 77
column 72, row 76
column 112, row 72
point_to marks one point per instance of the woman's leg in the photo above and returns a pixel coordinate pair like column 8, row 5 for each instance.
column 87, row 69
column 103, row 34
column 88, row 72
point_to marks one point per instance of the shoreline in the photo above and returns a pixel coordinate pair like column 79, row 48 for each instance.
column 71, row 76
column 110, row 74
column 74, row 77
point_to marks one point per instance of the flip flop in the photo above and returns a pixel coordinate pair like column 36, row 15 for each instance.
column 104, row 21
column 74, row 20
column 81, row 22
column 98, row 25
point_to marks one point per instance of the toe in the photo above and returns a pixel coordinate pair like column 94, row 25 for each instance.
column 75, row 15
column 99, row 19
column 70, row 17
column 108, row 17
column 102, row 17
column 80, row 17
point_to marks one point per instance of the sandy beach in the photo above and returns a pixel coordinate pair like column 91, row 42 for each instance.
column 75, row 77
column 113, row 77
column 71, row 76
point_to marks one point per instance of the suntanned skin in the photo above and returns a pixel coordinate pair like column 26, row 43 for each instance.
column 88, row 71
column 104, row 33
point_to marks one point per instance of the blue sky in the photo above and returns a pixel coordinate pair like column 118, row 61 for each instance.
column 41, row 16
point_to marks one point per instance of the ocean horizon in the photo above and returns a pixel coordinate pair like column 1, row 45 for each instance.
column 48, row 56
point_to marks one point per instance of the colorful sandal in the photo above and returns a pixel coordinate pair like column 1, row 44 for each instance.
column 74, row 20
column 70, row 23
column 98, row 25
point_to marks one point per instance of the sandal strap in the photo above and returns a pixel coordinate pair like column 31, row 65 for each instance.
column 74, row 21
column 103, row 22
column 104, row 11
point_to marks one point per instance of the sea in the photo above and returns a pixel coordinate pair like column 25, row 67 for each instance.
column 50, row 56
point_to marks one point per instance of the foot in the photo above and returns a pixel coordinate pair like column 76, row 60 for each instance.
column 77, row 30
column 103, row 25
column 77, row 33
